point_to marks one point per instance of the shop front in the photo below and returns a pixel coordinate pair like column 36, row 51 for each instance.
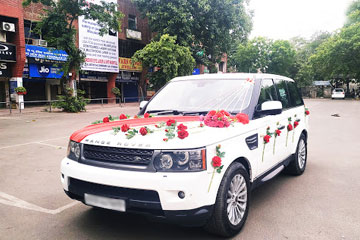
column 7, row 61
column 42, row 73
column 94, row 84
column 128, row 79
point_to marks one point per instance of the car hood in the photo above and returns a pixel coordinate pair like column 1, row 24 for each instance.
column 199, row 134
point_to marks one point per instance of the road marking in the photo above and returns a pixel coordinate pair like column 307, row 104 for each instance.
column 39, row 142
column 16, row 202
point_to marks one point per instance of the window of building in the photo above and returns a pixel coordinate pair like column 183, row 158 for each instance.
column 127, row 48
column 132, row 24
column 29, row 27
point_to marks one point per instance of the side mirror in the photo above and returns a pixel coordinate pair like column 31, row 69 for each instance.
column 143, row 104
column 270, row 108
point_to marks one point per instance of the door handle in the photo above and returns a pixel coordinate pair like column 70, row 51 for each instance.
column 281, row 127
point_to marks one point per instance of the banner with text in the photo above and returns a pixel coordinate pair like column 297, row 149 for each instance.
column 126, row 64
column 101, row 51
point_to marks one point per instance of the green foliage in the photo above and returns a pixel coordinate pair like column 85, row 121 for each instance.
column 353, row 13
column 210, row 26
column 70, row 103
column 57, row 27
column 172, row 59
column 116, row 91
column 20, row 89
column 338, row 58
column 266, row 55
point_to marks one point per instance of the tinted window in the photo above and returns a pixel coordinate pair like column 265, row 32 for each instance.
column 294, row 94
column 283, row 93
column 268, row 91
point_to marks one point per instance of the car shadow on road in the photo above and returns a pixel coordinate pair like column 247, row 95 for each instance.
column 103, row 224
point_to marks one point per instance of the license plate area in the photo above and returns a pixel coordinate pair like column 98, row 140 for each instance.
column 105, row 202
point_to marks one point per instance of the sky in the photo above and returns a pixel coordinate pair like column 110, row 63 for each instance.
column 284, row 19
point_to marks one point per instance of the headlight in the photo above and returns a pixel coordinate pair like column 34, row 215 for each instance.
column 181, row 160
column 73, row 151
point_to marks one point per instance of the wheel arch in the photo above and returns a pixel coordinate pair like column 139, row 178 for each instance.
column 305, row 134
column 244, row 161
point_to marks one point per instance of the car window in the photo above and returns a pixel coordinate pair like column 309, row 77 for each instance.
column 283, row 93
column 294, row 94
column 267, row 92
column 339, row 90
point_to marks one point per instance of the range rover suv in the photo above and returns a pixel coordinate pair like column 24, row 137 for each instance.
column 194, row 152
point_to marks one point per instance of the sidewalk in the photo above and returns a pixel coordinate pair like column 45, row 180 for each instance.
column 46, row 108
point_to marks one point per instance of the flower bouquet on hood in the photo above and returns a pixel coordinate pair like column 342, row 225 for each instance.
column 222, row 119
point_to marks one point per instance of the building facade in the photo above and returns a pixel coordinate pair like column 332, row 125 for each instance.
column 26, row 59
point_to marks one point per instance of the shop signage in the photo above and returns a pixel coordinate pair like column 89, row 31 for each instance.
column 44, row 71
column 93, row 76
column 132, row 34
column 7, row 52
column 4, row 70
column 101, row 51
column 125, row 64
column 38, row 54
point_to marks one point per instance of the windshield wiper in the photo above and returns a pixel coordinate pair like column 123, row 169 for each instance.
column 165, row 112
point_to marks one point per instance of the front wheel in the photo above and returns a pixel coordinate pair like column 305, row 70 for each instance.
column 232, row 202
column 298, row 164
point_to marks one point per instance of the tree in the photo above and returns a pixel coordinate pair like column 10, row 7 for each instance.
column 57, row 27
column 338, row 58
column 353, row 13
column 207, row 27
column 266, row 55
column 168, row 58
column 304, row 73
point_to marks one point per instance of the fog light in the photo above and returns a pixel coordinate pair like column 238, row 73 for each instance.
column 181, row 194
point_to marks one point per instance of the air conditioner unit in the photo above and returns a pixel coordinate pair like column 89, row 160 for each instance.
column 9, row 27
column 39, row 42
column 2, row 36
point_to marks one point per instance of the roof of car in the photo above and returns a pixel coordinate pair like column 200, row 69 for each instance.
column 230, row 76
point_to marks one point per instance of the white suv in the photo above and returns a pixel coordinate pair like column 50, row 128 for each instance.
column 194, row 152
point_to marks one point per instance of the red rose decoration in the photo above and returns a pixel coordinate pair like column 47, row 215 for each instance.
column 182, row 134
column 182, row 127
column 290, row 127
column 296, row 123
column 216, row 161
column 170, row 122
column 136, row 116
column 143, row 131
column 201, row 125
column 125, row 128
column 307, row 112
column 146, row 115
column 106, row 119
column 243, row 118
column 212, row 113
column 267, row 138
column 122, row 116
column 277, row 131
column 165, row 139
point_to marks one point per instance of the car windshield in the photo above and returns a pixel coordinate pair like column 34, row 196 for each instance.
column 203, row 95
column 339, row 90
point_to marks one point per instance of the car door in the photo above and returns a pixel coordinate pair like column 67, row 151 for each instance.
column 286, row 140
column 267, row 158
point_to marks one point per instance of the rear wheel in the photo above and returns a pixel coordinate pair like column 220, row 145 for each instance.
column 232, row 202
column 298, row 164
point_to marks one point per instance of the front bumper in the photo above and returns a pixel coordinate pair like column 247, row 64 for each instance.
column 145, row 192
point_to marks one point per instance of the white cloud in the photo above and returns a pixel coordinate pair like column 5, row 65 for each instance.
column 284, row 19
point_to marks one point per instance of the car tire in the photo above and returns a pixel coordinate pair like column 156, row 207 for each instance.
column 298, row 164
column 231, row 210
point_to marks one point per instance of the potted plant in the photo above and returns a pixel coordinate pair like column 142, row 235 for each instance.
column 20, row 90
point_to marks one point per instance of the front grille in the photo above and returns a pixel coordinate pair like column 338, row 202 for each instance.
column 113, row 155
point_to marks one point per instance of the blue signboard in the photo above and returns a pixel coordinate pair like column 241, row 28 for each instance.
column 44, row 71
column 45, row 53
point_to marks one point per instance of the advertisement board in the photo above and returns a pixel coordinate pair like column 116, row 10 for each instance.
column 44, row 71
column 7, row 52
column 43, row 54
column 101, row 51
column 126, row 64
column 4, row 70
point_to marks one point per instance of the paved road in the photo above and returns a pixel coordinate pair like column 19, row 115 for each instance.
column 323, row 203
